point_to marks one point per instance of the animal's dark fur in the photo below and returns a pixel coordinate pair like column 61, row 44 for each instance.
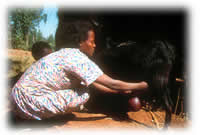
column 133, row 62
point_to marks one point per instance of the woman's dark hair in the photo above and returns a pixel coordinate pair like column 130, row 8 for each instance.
column 38, row 49
column 71, row 33
column 83, row 31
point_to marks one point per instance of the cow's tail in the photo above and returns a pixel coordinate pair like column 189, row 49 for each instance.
column 161, row 84
column 168, row 107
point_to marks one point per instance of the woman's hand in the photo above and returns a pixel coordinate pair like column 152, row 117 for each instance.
column 143, row 85
column 142, row 88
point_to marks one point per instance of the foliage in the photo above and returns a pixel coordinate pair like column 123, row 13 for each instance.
column 51, row 41
column 39, row 36
column 22, row 25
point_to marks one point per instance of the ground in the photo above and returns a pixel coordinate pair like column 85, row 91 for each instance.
column 85, row 119
column 141, row 120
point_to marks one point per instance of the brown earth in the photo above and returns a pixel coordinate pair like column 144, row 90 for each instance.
column 141, row 120
column 18, row 61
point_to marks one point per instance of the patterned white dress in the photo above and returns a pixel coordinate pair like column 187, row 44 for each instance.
column 44, row 90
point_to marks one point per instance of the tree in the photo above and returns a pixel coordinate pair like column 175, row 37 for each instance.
column 22, row 23
column 39, row 36
column 32, row 37
column 51, row 41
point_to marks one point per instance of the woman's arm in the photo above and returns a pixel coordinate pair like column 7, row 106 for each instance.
column 118, row 85
column 105, row 89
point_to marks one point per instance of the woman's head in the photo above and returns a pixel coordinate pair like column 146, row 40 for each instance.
column 82, row 31
column 72, row 33
column 86, row 38
column 88, row 45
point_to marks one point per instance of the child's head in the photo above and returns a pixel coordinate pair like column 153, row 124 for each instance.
column 40, row 49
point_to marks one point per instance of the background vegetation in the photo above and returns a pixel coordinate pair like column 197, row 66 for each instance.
column 22, row 26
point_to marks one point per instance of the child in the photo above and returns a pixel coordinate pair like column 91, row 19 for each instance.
column 40, row 49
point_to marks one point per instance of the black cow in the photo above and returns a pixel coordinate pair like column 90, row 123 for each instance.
column 150, row 61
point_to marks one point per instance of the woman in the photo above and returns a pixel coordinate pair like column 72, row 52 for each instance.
column 53, row 84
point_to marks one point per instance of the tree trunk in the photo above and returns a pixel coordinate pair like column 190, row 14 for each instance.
column 26, row 41
column 33, row 38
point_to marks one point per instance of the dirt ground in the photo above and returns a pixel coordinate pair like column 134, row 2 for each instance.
column 140, row 119
column 83, row 120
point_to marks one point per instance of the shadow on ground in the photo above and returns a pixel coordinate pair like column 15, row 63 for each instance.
column 16, row 122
